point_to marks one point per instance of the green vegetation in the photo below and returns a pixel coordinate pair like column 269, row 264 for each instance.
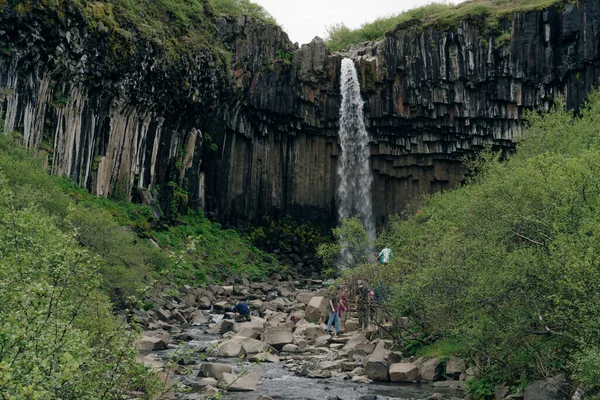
column 178, row 26
column 68, row 260
column 351, row 247
column 505, row 269
column 58, row 336
column 485, row 13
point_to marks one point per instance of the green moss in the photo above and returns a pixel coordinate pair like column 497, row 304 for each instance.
column 485, row 14
column 503, row 39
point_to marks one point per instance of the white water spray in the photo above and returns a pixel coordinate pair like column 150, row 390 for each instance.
column 354, row 170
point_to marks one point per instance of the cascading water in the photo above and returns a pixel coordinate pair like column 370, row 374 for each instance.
column 354, row 171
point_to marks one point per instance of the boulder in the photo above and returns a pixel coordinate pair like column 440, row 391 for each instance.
column 431, row 370
column 319, row 374
column 404, row 372
column 454, row 367
column 214, row 370
column 248, row 333
column 200, row 319
column 290, row 348
column 304, row 296
column 265, row 357
column 231, row 348
column 556, row 388
column 243, row 383
column 317, row 308
column 308, row 330
column 377, row 368
column 278, row 337
column 204, row 303
column 151, row 343
column 254, row 346
column 255, row 323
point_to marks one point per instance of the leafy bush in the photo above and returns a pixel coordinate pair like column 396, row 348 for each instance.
column 58, row 337
column 352, row 247
column 508, row 264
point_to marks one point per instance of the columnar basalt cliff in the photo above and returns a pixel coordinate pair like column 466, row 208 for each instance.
column 261, row 139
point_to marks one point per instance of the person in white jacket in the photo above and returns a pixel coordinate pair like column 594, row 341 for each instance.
column 385, row 256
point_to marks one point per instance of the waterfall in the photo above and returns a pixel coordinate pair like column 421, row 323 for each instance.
column 354, row 170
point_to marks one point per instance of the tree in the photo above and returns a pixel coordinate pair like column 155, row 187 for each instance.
column 351, row 247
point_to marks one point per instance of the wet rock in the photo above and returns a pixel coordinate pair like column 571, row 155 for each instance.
column 214, row 370
column 431, row 370
column 404, row 372
column 290, row 348
column 265, row 357
column 200, row 319
column 231, row 348
column 244, row 383
column 454, row 367
column 361, row 379
column 376, row 367
column 319, row 374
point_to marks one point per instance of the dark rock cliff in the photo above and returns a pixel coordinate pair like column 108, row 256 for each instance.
column 261, row 139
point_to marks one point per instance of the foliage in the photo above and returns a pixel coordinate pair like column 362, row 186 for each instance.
column 438, row 15
column 507, row 265
column 352, row 247
column 180, row 27
column 242, row 7
column 209, row 252
column 58, row 337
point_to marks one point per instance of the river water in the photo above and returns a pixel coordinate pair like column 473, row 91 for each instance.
column 278, row 383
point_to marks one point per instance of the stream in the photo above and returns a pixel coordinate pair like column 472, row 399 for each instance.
column 279, row 383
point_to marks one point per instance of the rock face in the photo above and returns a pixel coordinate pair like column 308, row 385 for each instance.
column 129, row 127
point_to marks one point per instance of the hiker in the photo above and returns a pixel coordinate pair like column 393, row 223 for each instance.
column 343, row 308
column 333, row 313
column 380, row 295
column 242, row 311
column 362, row 304
column 385, row 256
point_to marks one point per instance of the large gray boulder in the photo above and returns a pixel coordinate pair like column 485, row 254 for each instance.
column 556, row 388
column 431, row 370
column 377, row 367
column 214, row 370
column 231, row 348
column 278, row 336
column 317, row 308
column 404, row 372
column 243, row 383
column 151, row 343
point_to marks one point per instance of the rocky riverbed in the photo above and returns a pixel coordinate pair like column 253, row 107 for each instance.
column 191, row 339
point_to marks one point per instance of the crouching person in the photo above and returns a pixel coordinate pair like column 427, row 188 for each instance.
column 242, row 312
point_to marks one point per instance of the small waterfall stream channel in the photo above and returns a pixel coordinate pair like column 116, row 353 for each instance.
column 192, row 340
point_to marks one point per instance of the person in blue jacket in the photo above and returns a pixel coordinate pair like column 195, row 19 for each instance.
column 242, row 311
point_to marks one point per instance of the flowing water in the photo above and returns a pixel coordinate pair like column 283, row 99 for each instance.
column 281, row 384
column 354, row 170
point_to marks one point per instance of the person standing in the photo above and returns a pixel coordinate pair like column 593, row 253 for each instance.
column 343, row 308
column 385, row 256
column 362, row 304
column 333, row 314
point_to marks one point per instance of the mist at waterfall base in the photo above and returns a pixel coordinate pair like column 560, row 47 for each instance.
column 354, row 170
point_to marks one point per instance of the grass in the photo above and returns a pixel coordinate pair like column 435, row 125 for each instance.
column 486, row 13
column 442, row 350
column 179, row 26
column 198, row 250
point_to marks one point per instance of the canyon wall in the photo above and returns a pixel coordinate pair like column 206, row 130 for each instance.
column 258, row 137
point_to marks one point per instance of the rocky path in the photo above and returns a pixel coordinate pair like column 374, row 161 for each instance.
column 273, row 357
